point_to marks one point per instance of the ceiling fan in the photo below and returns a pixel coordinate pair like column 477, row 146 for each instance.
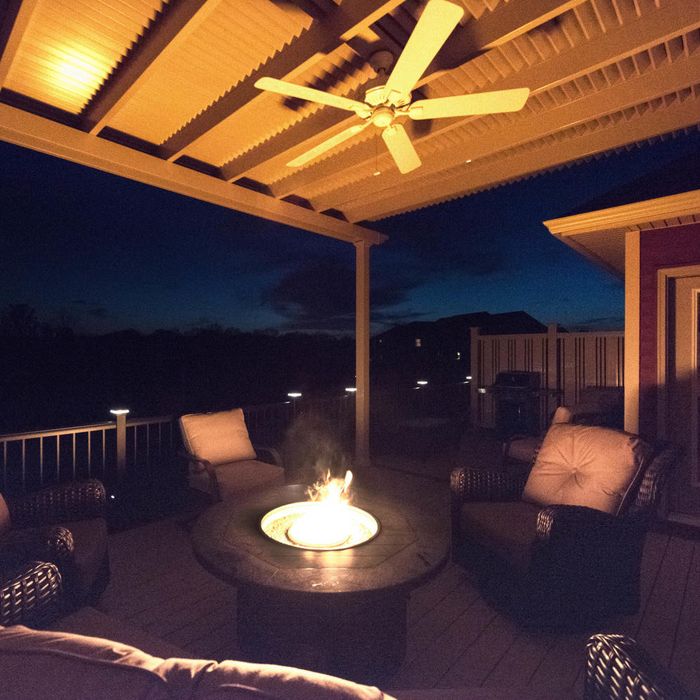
column 386, row 102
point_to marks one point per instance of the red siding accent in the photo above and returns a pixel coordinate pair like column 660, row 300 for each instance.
column 675, row 246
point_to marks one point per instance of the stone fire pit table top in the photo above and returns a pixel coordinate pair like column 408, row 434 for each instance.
column 410, row 547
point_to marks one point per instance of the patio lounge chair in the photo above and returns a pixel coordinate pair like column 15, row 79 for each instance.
column 222, row 460
column 617, row 668
column 64, row 525
column 562, row 546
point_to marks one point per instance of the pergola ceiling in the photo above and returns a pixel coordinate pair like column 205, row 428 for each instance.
column 170, row 88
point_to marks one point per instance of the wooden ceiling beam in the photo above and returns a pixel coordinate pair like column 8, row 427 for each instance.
column 163, row 41
column 651, row 29
column 39, row 134
column 666, row 79
column 666, row 119
column 12, row 30
column 324, row 37
column 465, row 43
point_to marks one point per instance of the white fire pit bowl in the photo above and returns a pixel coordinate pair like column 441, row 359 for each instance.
column 316, row 526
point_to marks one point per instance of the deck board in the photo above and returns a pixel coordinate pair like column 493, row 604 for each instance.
column 455, row 638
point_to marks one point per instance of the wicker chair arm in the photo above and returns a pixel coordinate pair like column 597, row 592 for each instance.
column 51, row 543
column 563, row 523
column 60, row 503
column 272, row 454
column 31, row 595
column 467, row 484
column 618, row 669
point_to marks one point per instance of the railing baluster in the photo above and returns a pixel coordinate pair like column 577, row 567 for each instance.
column 24, row 452
column 89, row 454
column 73, row 456
column 41, row 460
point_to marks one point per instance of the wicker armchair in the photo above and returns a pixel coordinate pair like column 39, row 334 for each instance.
column 63, row 525
column 617, row 668
column 31, row 594
column 557, row 565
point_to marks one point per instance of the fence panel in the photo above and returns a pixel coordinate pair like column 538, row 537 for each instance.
column 567, row 363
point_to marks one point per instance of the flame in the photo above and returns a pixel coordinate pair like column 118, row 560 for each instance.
column 331, row 491
column 329, row 524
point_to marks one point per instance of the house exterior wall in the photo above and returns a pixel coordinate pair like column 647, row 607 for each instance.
column 669, row 247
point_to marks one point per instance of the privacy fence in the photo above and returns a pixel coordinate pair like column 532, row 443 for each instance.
column 566, row 362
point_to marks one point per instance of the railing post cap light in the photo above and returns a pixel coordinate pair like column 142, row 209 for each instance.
column 294, row 394
column 119, row 411
column 421, row 382
column 351, row 389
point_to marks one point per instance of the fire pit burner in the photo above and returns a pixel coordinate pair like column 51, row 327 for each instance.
column 318, row 526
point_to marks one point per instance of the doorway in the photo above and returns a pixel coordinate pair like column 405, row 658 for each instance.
column 679, row 385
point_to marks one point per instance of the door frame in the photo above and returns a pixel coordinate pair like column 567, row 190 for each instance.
column 664, row 276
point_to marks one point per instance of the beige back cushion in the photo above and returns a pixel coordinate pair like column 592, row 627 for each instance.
column 217, row 437
column 4, row 516
column 582, row 465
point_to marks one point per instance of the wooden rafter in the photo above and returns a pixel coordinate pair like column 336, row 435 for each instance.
column 668, row 78
column 466, row 42
column 322, row 38
column 11, row 32
column 39, row 134
column 680, row 115
column 628, row 39
column 165, row 40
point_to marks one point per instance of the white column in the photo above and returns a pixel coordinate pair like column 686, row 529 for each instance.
column 632, row 269
column 362, row 352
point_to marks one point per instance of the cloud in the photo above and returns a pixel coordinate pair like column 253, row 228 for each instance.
column 320, row 296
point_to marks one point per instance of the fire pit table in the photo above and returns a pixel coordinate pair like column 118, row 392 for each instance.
column 342, row 611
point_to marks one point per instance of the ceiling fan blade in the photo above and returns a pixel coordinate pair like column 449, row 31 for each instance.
column 465, row 105
column 327, row 145
column 431, row 31
column 401, row 148
column 306, row 93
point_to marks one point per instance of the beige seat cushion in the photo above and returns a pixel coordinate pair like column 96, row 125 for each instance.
column 90, row 539
column 75, row 667
column 507, row 527
column 240, row 478
column 586, row 466
column 217, row 437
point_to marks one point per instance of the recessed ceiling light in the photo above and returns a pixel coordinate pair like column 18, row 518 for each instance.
column 377, row 172
column 469, row 161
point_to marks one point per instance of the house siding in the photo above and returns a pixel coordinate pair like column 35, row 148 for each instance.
column 674, row 246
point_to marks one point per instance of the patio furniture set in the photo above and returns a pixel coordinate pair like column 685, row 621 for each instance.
column 558, row 546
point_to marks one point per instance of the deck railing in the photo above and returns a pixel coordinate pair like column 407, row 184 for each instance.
column 131, row 448
column 41, row 457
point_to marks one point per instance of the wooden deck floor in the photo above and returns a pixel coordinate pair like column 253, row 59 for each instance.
column 455, row 638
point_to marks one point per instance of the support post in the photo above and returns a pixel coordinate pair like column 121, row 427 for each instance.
column 632, row 322
column 120, row 414
column 362, row 352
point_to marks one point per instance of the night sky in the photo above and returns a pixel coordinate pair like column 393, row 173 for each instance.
column 103, row 253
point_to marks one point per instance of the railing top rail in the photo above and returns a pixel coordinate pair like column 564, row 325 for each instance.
column 109, row 425
column 91, row 427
